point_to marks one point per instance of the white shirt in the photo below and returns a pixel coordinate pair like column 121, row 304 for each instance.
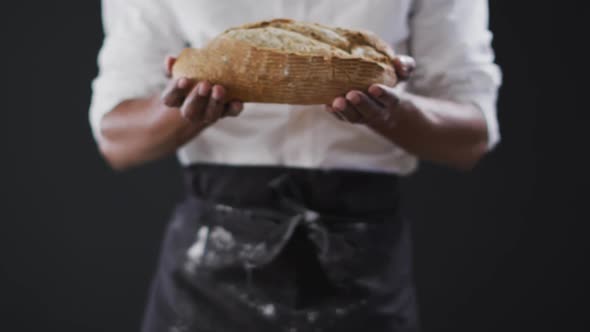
column 449, row 39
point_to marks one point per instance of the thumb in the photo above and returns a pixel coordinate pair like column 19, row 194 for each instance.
column 404, row 66
column 168, row 64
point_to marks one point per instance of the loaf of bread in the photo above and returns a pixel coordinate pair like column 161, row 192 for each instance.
column 289, row 62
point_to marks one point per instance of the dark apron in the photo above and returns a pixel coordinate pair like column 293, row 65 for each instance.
column 281, row 249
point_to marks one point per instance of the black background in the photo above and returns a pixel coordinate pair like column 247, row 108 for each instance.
column 501, row 248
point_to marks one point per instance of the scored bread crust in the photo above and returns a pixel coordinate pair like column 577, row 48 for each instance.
column 288, row 62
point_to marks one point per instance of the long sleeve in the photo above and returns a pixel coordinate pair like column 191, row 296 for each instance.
column 138, row 36
column 451, row 43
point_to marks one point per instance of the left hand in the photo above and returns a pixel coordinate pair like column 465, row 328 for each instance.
column 378, row 106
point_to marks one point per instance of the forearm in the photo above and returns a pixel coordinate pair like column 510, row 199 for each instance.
column 141, row 130
column 438, row 130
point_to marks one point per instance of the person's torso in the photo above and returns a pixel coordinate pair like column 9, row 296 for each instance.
column 297, row 136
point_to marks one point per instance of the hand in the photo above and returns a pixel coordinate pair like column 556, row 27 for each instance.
column 435, row 129
column 199, row 102
column 377, row 107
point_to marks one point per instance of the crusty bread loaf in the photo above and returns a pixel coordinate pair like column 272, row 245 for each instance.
column 289, row 62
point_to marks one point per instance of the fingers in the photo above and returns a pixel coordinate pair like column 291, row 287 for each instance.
column 343, row 110
column 201, row 103
column 196, row 103
column 233, row 109
column 176, row 91
column 385, row 95
column 376, row 108
column 216, row 106
column 168, row 64
column 370, row 110
column 206, row 104
column 404, row 66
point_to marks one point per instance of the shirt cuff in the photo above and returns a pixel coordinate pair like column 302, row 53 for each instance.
column 107, row 95
column 486, row 103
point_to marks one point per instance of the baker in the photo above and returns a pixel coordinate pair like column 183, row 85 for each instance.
column 291, row 220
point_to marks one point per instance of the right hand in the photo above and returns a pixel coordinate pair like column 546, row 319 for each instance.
column 198, row 101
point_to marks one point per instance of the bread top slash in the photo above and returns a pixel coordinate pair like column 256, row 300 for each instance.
column 304, row 38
